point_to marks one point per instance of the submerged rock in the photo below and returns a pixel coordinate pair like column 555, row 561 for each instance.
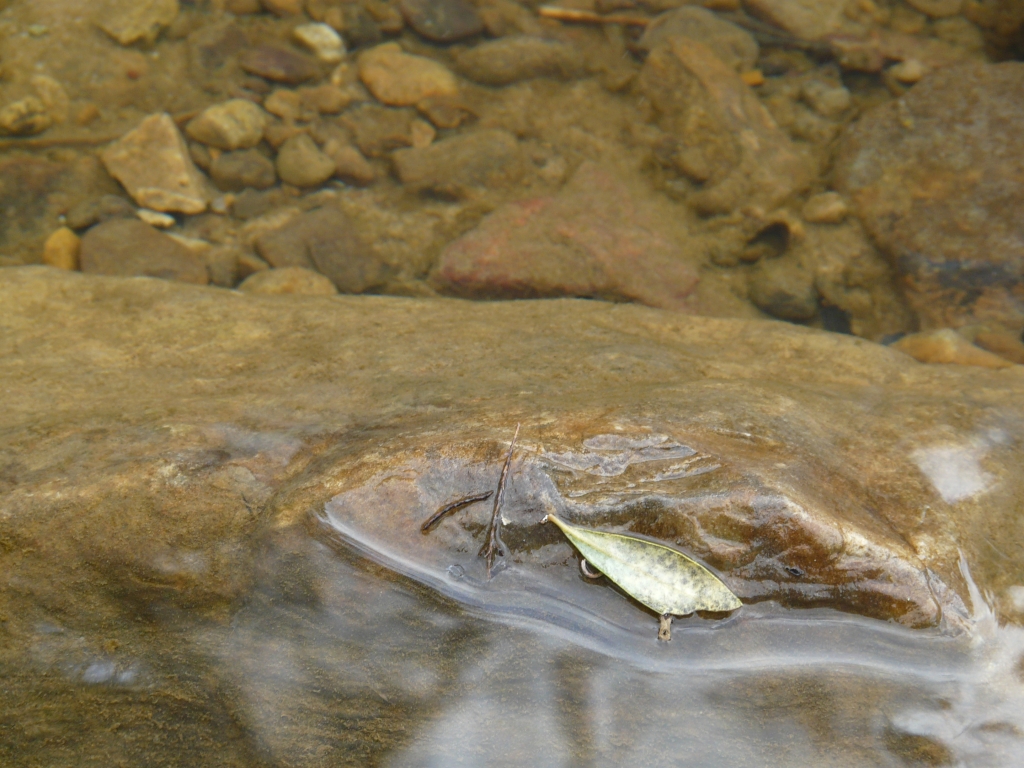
column 726, row 141
column 132, row 247
column 154, row 165
column 935, row 177
column 603, row 236
column 807, row 468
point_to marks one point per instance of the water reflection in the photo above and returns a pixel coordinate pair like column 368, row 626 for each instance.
column 336, row 661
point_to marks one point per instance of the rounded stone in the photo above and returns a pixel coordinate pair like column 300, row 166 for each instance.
column 61, row 249
column 400, row 79
column 442, row 21
column 235, row 171
column 278, row 64
column 235, row 124
column 301, row 163
column 293, row 280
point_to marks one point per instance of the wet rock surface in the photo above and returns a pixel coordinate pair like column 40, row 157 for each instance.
column 935, row 178
column 796, row 463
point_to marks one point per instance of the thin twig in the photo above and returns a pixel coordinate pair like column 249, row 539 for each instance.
column 447, row 509
column 494, row 544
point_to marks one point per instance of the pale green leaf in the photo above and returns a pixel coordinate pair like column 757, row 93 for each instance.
column 662, row 578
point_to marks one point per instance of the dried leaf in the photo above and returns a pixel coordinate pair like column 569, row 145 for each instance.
column 662, row 578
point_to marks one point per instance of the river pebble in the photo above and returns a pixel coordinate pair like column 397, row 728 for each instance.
column 1006, row 344
column 154, row 165
column 736, row 47
column 521, row 57
column 94, row 210
column 442, row 21
column 349, row 163
column 129, row 247
column 61, row 249
column 720, row 134
column 454, row 167
column 301, row 163
column 784, row 288
column 324, row 240
column 322, row 41
column 805, row 20
column 288, row 280
column 401, row 79
column 235, row 171
column 278, row 65
column 948, row 346
column 235, row 124
column 378, row 130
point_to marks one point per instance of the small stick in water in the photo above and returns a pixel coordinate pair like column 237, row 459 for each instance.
column 665, row 627
column 447, row 509
column 494, row 544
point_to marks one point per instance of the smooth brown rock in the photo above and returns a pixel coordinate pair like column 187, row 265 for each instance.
column 95, row 210
column 934, row 177
column 519, row 57
column 235, row 171
column 1009, row 346
column 733, row 45
column 61, row 249
column 784, row 288
column 948, row 346
column 326, row 241
column 129, row 247
column 442, row 21
column 601, row 236
column 349, row 164
column 153, row 163
column 724, row 137
column 378, row 130
column 400, row 79
column 278, row 64
column 212, row 501
column 288, row 280
column 455, row 167
column 761, row 447
column 301, row 163
column 806, row 19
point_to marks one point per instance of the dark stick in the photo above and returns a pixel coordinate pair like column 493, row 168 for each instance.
column 447, row 509
column 494, row 543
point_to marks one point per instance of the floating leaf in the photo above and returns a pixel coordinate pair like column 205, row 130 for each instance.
column 662, row 578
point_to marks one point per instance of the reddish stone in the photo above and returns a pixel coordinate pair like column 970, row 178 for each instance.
column 597, row 238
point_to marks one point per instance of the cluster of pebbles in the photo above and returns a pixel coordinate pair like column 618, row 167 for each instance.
column 697, row 159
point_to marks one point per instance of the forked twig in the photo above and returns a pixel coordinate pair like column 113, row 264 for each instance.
column 494, row 544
